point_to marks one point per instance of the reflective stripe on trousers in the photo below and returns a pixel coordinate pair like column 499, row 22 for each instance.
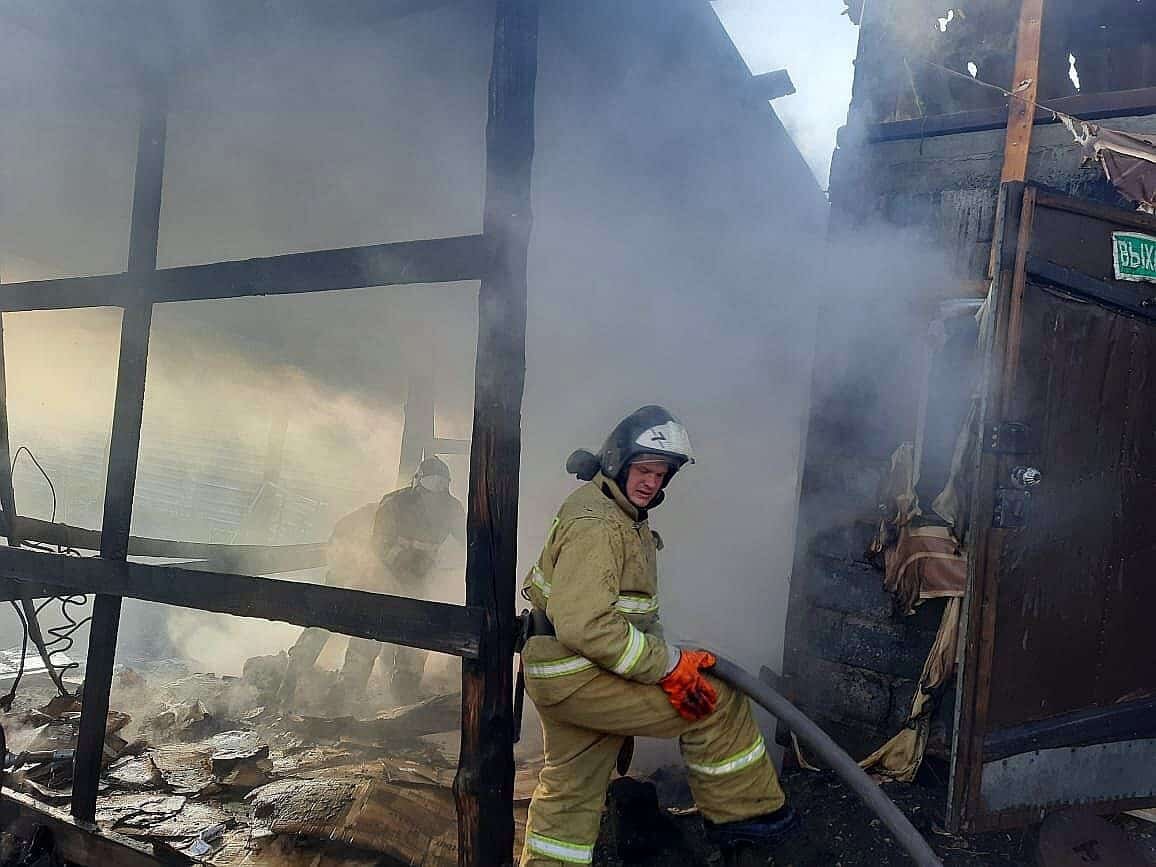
column 733, row 764
column 562, row 850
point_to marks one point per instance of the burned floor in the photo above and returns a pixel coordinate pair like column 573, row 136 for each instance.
column 199, row 768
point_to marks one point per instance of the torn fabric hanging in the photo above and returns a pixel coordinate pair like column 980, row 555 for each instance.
column 1129, row 160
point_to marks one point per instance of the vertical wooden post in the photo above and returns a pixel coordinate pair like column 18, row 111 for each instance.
column 484, row 785
column 9, row 525
column 124, row 447
column 417, row 431
column 7, row 495
column 1022, row 104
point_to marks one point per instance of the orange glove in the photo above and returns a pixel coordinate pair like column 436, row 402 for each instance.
column 689, row 692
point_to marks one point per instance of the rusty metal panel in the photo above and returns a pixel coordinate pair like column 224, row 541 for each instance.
column 1070, row 776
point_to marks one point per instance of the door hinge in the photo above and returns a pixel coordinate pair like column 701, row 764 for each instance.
column 1008, row 438
column 1011, row 508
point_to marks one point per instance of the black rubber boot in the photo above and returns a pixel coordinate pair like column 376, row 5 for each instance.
column 760, row 832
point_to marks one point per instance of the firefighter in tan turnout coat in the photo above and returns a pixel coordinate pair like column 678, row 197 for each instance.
column 599, row 670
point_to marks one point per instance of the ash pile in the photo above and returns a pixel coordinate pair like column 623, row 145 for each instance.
column 212, row 769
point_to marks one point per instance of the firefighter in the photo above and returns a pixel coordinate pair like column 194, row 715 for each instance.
column 599, row 670
column 392, row 547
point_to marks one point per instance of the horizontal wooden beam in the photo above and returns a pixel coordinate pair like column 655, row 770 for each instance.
column 77, row 842
column 13, row 591
column 1090, row 106
column 1137, row 220
column 437, row 260
column 1126, row 721
column 437, row 626
column 244, row 559
column 1138, row 302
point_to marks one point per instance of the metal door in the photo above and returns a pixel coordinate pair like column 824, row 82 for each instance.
column 1057, row 686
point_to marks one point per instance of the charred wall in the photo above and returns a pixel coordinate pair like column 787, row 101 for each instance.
column 850, row 659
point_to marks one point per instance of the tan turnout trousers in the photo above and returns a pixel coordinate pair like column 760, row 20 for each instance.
column 731, row 776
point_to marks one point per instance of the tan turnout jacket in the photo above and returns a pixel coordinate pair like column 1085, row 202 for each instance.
column 597, row 580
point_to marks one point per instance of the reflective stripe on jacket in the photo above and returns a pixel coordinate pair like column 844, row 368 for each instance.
column 597, row 580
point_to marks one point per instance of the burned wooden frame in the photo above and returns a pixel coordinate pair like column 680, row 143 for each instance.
column 480, row 632
column 910, row 98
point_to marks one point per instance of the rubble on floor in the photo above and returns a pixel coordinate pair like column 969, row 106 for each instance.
column 204, row 770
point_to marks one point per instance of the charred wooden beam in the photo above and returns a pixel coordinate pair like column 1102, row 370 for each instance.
column 1132, row 720
column 11, row 591
column 1114, row 216
column 78, row 842
column 437, row 626
column 979, row 612
column 245, row 559
column 1090, row 106
column 123, row 448
column 437, row 260
column 1136, row 303
column 484, row 784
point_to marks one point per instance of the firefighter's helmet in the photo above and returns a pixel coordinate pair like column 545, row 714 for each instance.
column 651, row 432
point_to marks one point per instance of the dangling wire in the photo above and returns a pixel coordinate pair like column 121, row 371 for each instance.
column 6, row 701
column 64, row 636
column 1010, row 94
column 24, row 450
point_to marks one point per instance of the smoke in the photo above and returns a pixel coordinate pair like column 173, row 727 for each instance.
column 679, row 256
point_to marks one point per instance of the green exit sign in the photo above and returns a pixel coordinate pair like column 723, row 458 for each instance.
column 1134, row 255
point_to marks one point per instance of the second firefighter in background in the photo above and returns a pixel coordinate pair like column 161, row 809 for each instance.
column 390, row 547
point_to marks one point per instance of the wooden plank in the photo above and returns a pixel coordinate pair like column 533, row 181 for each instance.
column 7, row 497
column 979, row 600
column 484, row 784
column 437, row 260
column 1019, row 285
column 1024, row 87
column 1118, row 722
column 1132, row 300
column 11, row 591
column 1090, row 106
column 78, row 842
column 437, row 626
column 1106, row 213
column 123, row 449
column 244, row 559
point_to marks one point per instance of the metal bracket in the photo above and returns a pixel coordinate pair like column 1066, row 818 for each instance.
column 1011, row 509
column 1008, row 438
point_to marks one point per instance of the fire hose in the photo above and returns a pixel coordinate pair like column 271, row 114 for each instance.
column 826, row 749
